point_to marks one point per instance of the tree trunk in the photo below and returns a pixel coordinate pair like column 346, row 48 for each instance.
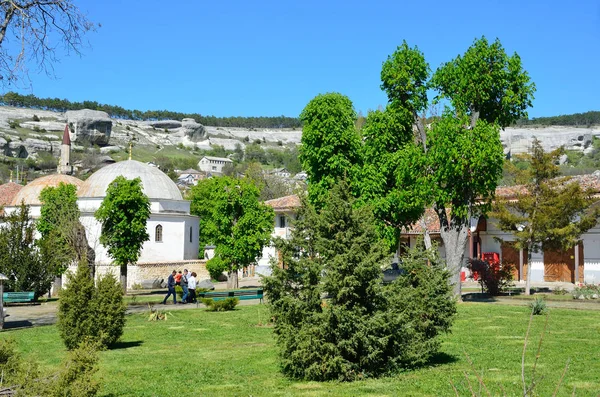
column 232, row 279
column 528, row 281
column 124, row 278
column 426, row 237
column 455, row 239
column 57, row 285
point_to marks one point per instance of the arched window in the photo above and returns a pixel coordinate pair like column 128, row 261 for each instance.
column 158, row 234
column 191, row 234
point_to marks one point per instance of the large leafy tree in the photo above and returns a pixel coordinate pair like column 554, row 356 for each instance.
column 483, row 90
column 234, row 220
column 33, row 30
column 363, row 328
column 550, row 212
column 123, row 214
column 330, row 144
column 21, row 260
column 60, row 228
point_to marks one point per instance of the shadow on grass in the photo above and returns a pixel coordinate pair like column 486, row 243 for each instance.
column 125, row 345
column 478, row 297
column 441, row 358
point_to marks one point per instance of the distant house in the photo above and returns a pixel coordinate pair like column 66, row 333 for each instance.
column 190, row 176
column 301, row 176
column 213, row 165
column 281, row 172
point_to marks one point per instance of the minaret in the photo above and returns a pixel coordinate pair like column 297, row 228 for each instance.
column 64, row 166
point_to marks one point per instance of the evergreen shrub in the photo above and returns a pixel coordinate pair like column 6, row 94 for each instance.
column 364, row 328
column 91, row 312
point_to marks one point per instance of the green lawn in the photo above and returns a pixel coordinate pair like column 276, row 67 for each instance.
column 198, row 353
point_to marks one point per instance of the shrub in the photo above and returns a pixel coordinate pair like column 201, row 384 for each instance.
column 35, row 118
column 179, row 291
column 559, row 291
column 216, row 266
column 155, row 314
column 494, row 277
column 14, row 124
column 226, row 304
column 109, row 309
column 128, row 128
column 587, row 291
column 89, row 312
column 76, row 320
column 364, row 328
column 538, row 306
column 76, row 379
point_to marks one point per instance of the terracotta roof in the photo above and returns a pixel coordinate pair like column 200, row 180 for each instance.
column 66, row 136
column 30, row 194
column 431, row 221
column 8, row 191
column 284, row 203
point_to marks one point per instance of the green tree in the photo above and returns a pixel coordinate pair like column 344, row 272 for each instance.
column 485, row 90
column 233, row 219
column 330, row 144
column 550, row 213
column 364, row 328
column 61, row 231
column 20, row 258
column 123, row 214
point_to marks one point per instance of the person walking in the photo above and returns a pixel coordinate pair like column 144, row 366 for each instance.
column 192, row 287
column 184, row 286
column 171, row 287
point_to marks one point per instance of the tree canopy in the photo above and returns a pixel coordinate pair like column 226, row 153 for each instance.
column 330, row 145
column 233, row 220
column 123, row 215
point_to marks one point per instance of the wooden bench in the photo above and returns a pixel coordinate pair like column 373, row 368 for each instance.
column 241, row 294
column 18, row 297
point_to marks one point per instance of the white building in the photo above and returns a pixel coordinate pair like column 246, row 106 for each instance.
column 285, row 212
column 172, row 229
column 213, row 165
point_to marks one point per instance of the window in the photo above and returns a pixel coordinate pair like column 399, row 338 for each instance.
column 282, row 221
column 158, row 234
column 214, row 167
column 191, row 234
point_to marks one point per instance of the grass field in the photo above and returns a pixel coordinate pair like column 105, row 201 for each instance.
column 199, row 353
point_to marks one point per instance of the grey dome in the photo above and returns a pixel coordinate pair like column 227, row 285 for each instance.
column 155, row 183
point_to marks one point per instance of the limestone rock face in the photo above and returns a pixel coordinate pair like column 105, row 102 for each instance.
column 519, row 140
column 194, row 131
column 162, row 124
column 91, row 126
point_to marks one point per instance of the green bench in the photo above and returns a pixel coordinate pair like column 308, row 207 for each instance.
column 18, row 297
column 241, row 294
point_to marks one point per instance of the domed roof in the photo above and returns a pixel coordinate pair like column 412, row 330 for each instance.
column 30, row 194
column 155, row 183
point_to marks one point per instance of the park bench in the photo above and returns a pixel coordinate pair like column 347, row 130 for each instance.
column 18, row 297
column 241, row 294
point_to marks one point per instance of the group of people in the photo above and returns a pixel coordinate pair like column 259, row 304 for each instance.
column 187, row 282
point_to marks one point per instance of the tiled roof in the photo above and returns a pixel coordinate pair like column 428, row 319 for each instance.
column 284, row 203
column 8, row 191
column 432, row 221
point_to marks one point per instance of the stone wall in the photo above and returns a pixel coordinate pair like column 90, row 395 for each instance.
column 151, row 271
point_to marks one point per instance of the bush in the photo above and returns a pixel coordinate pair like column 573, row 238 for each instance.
column 494, row 277
column 76, row 320
column 76, row 379
column 14, row 124
column 89, row 312
column 226, row 304
column 179, row 291
column 216, row 267
column 109, row 309
column 538, row 306
column 35, row 118
column 587, row 291
column 364, row 328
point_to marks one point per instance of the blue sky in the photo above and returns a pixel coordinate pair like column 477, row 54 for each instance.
column 268, row 58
